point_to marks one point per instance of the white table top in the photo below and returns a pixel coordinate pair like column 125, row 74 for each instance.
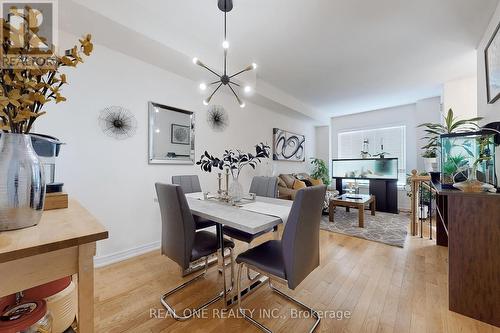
column 234, row 216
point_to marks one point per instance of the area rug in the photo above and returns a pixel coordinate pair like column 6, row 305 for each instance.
column 390, row 229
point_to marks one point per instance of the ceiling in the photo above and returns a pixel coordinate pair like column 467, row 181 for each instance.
column 328, row 57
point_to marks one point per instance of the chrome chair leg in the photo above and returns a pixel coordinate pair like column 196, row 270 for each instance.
column 231, row 264
column 193, row 312
column 279, row 292
column 225, row 264
column 248, row 269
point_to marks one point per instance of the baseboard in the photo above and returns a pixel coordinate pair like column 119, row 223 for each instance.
column 109, row 259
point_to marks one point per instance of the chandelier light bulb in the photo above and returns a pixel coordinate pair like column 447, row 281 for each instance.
column 225, row 45
column 247, row 89
column 195, row 60
column 254, row 65
column 203, row 86
column 205, row 102
column 242, row 105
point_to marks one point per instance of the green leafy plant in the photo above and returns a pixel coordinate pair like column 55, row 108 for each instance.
column 451, row 125
column 429, row 153
column 320, row 170
column 454, row 165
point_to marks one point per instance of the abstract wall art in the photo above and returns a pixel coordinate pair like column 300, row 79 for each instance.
column 288, row 146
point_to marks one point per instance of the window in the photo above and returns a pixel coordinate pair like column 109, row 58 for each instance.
column 393, row 140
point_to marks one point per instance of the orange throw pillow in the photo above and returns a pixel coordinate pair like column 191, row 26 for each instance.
column 316, row 182
column 298, row 184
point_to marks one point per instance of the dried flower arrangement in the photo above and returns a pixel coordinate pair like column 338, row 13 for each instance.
column 26, row 89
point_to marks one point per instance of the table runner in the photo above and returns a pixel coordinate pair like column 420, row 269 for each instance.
column 268, row 209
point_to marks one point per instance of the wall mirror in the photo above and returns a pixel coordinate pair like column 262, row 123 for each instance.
column 171, row 135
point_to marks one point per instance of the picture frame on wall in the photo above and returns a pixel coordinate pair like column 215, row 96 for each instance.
column 492, row 62
column 288, row 146
column 180, row 134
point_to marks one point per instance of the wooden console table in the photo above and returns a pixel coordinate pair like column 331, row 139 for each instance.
column 469, row 224
column 62, row 244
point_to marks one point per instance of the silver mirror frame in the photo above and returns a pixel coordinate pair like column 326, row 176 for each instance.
column 151, row 110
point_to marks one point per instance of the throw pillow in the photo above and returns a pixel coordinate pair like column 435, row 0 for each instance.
column 316, row 182
column 298, row 184
column 288, row 179
column 281, row 183
column 308, row 182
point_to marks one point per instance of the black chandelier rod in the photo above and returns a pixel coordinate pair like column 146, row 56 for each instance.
column 213, row 93
column 235, row 94
column 208, row 69
column 236, row 74
column 225, row 38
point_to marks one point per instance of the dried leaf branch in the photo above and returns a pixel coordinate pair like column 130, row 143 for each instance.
column 26, row 89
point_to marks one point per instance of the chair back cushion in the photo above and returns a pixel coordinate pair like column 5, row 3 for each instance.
column 265, row 186
column 300, row 241
column 189, row 183
column 178, row 227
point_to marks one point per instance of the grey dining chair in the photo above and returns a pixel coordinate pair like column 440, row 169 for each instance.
column 263, row 187
column 183, row 244
column 295, row 256
column 191, row 184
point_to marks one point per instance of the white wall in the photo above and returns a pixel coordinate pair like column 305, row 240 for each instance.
column 322, row 141
column 490, row 112
column 427, row 111
column 111, row 177
column 461, row 96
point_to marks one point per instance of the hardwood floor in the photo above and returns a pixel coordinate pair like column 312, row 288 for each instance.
column 385, row 289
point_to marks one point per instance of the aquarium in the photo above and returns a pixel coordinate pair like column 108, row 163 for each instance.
column 366, row 168
column 467, row 155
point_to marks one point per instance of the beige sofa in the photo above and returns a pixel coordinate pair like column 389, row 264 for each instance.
column 286, row 188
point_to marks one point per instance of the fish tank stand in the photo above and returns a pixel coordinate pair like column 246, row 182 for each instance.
column 381, row 173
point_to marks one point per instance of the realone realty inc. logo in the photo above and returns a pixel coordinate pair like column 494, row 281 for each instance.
column 28, row 34
column 275, row 313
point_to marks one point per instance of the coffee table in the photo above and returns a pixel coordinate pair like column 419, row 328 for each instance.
column 353, row 201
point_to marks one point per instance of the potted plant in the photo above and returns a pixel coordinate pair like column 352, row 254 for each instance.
column 450, row 124
column 430, row 160
column 320, row 170
column 26, row 88
column 234, row 161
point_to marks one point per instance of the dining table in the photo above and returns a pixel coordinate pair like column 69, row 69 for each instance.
column 251, row 215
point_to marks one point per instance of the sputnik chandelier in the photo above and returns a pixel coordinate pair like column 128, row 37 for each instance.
column 225, row 79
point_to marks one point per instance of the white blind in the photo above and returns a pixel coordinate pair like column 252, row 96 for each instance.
column 393, row 140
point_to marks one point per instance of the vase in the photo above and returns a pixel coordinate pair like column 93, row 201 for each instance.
column 471, row 184
column 22, row 184
column 236, row 190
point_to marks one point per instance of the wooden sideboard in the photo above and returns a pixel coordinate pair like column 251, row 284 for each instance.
column 62, row 244
column 469, row 224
